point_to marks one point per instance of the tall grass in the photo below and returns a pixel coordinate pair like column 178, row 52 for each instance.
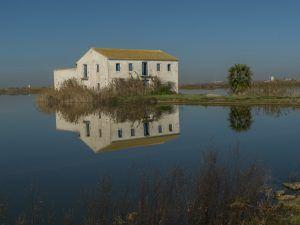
column 282, row 88
column 275, row 88
column 117, row 91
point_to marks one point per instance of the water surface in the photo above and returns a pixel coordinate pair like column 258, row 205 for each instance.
column 63, row 157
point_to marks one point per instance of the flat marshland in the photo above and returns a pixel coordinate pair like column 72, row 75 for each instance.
column 285, row 93
column 22, row 90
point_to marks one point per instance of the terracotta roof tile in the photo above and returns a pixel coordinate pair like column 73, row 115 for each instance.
column 134, row 54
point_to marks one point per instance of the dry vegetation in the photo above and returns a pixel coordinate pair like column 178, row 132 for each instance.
column 282, row 88
column 123, row 112
column 122, row 100
column 120, row 90
column 219, row 193
column 274, row 88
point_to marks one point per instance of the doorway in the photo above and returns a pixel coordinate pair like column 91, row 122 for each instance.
column 144, row 68
column 146, row 129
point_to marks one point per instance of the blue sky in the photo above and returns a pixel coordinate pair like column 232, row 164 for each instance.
column 207, row 36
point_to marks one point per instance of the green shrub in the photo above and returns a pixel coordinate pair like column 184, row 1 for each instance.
column 160, row 88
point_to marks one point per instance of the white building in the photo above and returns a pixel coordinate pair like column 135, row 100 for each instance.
column 99, row 66
column 102, row 133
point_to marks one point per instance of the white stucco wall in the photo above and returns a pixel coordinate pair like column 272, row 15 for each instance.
column 163, row 74
column 107, row 70
column 64, row 74
column 92, row 59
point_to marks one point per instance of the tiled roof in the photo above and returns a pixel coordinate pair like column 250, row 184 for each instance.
column 134, row 54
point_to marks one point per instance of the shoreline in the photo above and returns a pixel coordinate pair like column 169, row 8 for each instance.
column 182, row 99
column 194, row 99
column 22, row 90
column 198, row 99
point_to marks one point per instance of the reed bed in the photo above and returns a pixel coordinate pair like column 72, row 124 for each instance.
column 274, row 88
column 282, row 88
column 124, row 112
column 119, row 90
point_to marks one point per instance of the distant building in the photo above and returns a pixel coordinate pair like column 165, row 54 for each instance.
column 99, row 66
column 102, row 133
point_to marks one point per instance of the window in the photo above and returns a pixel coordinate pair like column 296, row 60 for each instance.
column 120, row 133
column 169, row 67
column 98, row 68
column 118, row 67
column 170, row 127
column 100, row 133
column 146, row 129
column 85, row 71
column 159, row 129
column 87, row 128
column 98, row 86
column 132, row 132
column 158, row 67
column 130, row 67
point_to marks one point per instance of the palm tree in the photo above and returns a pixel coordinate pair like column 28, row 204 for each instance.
column 239, row 78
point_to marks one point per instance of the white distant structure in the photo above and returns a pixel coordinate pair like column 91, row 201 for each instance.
column 272, row 78
column 99, row 66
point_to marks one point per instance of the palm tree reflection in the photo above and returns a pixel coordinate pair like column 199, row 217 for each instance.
column 240, row 118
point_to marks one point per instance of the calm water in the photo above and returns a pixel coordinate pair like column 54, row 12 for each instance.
column 203, row 91
column 62, row 158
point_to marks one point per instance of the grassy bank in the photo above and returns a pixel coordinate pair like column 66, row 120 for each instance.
column 135, row 92
column 227, row 100
column 277, row 87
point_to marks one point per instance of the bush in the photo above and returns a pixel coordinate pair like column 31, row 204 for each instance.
column 117, row 91
column 239, row 78
column 160, row 88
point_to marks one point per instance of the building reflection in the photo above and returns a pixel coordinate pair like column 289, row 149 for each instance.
column 102, row 133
